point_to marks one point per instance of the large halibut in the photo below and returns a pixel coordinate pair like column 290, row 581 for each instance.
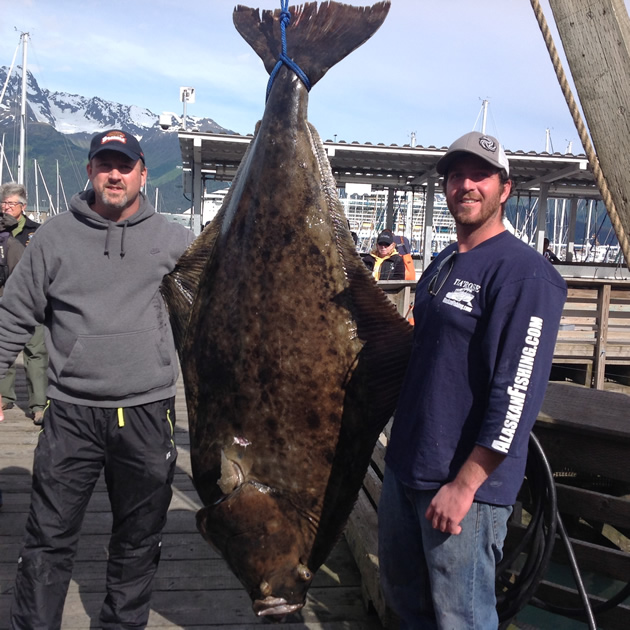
column 292, row 357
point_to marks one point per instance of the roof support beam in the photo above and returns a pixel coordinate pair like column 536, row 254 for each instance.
column 197, row 183
column 554, row 176
column 541, row 222
column 428, row 222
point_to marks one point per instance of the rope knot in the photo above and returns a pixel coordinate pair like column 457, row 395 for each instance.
column 285, row 17
column 285, row 20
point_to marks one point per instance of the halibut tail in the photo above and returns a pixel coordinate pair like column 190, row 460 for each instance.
column 317, row 37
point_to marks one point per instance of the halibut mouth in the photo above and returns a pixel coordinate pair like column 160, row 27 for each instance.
column 274, row 607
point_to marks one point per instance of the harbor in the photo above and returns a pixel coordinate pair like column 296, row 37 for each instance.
column 245, row 338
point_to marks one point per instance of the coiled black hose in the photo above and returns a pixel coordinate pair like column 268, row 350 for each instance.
column 515, row 591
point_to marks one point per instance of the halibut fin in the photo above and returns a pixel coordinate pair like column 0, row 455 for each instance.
column 317, row 38
column 179, row 287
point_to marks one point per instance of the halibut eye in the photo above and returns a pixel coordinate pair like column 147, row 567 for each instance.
column 304, row 573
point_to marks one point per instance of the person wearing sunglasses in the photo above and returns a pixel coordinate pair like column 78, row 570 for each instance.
column 384, row 261
column 486, row 313
column 13, row 203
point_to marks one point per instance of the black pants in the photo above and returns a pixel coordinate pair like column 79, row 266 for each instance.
column 136, row 448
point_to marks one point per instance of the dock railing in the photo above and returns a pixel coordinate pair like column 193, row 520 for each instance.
column 593, row 345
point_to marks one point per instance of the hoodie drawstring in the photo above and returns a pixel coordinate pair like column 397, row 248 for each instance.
column 110, row 225
column 122, row 239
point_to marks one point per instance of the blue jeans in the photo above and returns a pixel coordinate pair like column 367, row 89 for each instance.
column 434, row 580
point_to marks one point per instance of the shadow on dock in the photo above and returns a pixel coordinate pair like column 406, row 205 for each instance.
column 194, row 589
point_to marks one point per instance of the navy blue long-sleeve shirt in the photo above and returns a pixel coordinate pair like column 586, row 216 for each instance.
column 482, row 352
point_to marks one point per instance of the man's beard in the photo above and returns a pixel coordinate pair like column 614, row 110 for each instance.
column 119, row 204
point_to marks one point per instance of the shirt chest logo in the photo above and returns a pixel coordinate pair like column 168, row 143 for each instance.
column 463, row 296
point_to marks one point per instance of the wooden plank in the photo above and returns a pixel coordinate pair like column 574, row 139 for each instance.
column 596, row 559
column 572, row 350
column 587, row 454
column 594, row 505
column 589, row 412
column 590, row 557
column 574, row 293
column 372, row 487
column 230, row 608
column 378, row 456
column 616, row 619
column 362, row 536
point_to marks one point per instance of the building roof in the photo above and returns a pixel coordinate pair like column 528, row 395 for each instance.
column 217, row 157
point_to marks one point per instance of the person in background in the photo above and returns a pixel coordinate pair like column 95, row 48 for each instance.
column 384, row 261
column 486, row 313
column 355, row 236
column 94, row 276
column 10, row 253
column 13, row 202
column 403, row 247
column 548, row 254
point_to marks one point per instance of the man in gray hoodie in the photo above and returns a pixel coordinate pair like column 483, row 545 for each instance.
column 93, row 276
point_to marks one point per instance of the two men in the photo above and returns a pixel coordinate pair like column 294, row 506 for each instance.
column 486, row 315
column 93, row 277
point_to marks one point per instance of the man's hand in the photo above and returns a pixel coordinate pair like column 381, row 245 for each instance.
column 453, row 500
column 449, row 507
column 1, row 410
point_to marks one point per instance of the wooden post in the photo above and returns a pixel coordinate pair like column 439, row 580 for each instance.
column 596, row 39
column 428, row 222
column 389, row 220
column 571, row 230
column 603, row 310
column 541, row 221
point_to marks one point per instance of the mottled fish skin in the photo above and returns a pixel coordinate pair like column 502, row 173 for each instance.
column 292, row 357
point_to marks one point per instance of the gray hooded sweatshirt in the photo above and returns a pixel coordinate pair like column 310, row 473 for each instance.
column 95, row 285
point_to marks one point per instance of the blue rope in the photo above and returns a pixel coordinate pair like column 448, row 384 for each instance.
column 285, row 19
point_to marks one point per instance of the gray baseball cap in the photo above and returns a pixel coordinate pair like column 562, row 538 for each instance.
column 479, row 144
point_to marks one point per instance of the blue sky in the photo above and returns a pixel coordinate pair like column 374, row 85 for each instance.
column 427, row 70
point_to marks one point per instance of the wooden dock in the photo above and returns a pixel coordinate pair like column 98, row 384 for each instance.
column 194, row 588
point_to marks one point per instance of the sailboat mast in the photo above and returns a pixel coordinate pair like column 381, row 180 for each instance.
column 21, row 165
column 2, row 158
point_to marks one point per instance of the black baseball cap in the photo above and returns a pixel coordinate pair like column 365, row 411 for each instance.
column 116, row 140
column 386, row 237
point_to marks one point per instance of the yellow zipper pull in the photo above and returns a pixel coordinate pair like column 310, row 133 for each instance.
column 168, row 417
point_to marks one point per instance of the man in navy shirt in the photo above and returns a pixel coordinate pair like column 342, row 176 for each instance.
column 486, row 315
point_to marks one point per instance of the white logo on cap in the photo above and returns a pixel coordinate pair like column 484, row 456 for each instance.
column 118, row 137
column 487, row 143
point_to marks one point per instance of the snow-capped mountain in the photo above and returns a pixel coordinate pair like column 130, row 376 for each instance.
column 59, row 128
column 72, row 113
